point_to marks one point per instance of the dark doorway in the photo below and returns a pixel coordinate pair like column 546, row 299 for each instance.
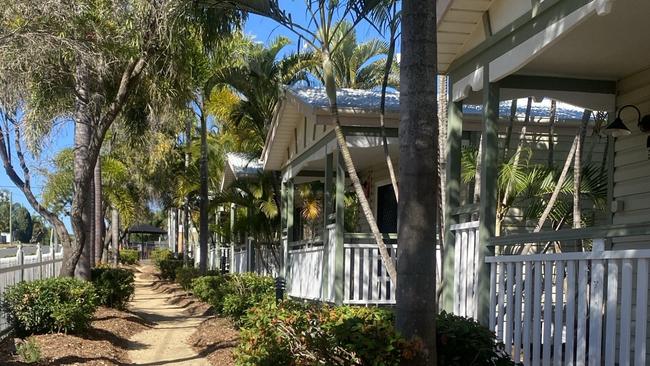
column 386, row 209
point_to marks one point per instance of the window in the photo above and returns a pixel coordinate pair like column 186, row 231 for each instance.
column 386, row 209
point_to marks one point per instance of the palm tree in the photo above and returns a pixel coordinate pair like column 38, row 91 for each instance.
column 358, row 65
column 416, row 232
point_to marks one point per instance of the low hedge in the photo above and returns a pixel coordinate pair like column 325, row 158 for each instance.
column 50, row 306
column 114, row 286
column 297, row 334
column 244, row 291
column 129, row 256
column 211, row 290
column 168, row 268
column 185, row 275
column 159, row 255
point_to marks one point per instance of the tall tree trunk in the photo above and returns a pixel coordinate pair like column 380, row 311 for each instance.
column 511, row 122
column 99, row 212
column 551, row 134
column 382, row 109
column 115, row 233
column 330, row 86
column 577, row 171
column 203, row 209
column 80, row 213
column 416, row 290
column 186, row 207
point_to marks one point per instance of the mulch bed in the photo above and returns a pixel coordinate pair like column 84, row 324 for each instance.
column 216, row 339
column 105, row 343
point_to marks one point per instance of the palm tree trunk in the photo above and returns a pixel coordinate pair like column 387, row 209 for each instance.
column 76, row 263
column 99, row 212
column 115, row 233
column 556, row 192
column 551, row 134
column 203, row 209
column 186, row 207
column 330, row 86
column 511, row 122
column 382, row 110
column 416, row 291
column 577, row 171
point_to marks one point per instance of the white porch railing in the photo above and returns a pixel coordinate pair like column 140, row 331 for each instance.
column 366, row 279
column 240, row 262
column 466, row 240
column 45, row 263
column 305, row 272
column 573, row 308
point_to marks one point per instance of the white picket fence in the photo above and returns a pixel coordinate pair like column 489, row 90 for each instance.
column 578, row 308
column 45, row 263
column 366, row 279
column 240, row 262
column 466, row 248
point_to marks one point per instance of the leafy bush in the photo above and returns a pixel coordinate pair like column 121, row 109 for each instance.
column 158, row 255
column 185, row 275
column 51, row 305
column 211, row 289
column 129, row 256
column 245, row 290
column 295, row 334
column 114, row 286
column 168, row 268
column 462, row 341
column 29, row 351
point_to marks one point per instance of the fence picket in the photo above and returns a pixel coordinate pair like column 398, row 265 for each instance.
column 641, row 318
column 626, row 312
column 537, row 314
column 596, row 311
column 581, row 332
column 509, row 305
column 548, row 306
column 610, row 318
column 500, row 307
column 528, row 306
column 517, row 312
column 559, row 304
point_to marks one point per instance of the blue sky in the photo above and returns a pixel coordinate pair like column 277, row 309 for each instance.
column 261, row 29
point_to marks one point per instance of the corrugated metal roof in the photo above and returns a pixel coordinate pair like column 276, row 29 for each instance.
column 367, row 100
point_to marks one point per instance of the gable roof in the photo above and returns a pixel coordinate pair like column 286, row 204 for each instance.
column 238, row 166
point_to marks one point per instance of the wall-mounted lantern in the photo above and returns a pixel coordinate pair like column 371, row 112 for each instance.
column 618, row 128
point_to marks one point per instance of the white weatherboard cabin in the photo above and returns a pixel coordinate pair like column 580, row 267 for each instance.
column 571, row 308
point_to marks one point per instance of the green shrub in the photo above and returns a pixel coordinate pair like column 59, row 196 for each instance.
column 243, row 291
column 185, row 275
column 462, row 341
column 29, row 351
column 211, row 290
column 114, row 286
column 129, row 256
column 168, row 268
column 51, row 305
column 158, row 255
column 295, row 334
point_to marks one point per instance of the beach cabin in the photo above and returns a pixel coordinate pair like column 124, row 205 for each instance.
column 587, row 307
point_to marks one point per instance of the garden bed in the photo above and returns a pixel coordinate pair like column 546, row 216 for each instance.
column 105, row 343
column 216, row 339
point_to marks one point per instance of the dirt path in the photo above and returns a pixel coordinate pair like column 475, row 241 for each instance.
column 165, row 343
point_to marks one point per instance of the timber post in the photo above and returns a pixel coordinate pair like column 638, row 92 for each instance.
column 487, row 207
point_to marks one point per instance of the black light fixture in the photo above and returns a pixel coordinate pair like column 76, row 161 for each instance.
column 617, row 127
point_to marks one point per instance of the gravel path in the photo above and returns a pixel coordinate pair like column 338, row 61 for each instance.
column 165, row 343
